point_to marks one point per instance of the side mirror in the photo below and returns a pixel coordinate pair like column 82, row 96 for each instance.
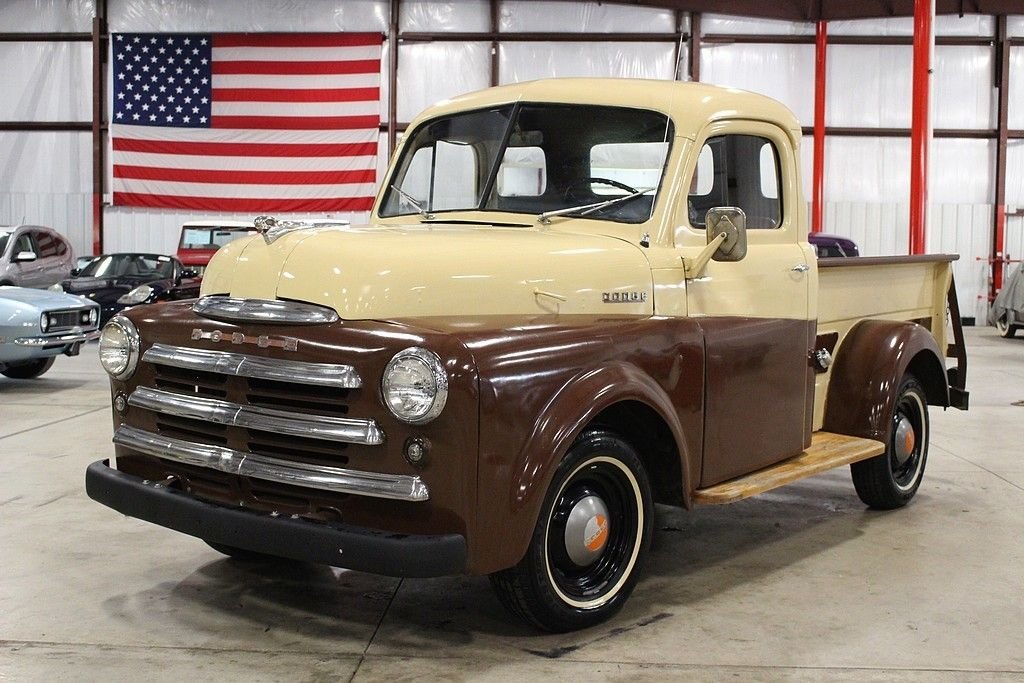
column 75, row 272
column 726, row 240
column 733, row 222
column 25, row 256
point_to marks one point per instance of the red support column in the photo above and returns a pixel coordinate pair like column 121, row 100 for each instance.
column 818, row 188
column 920, row 125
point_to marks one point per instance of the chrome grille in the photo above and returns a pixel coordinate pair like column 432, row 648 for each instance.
column 62, row 321
column 282, row 421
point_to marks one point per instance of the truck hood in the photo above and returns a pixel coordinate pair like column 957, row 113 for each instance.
column 392, row 272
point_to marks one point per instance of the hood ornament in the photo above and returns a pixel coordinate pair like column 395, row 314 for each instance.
column 272, row 228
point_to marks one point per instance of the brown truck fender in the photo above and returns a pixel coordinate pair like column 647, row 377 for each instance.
column 868, row 367
column 614, row 395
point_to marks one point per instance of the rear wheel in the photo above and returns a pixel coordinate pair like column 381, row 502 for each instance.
column 1004, row 327
column 591, row 536
column 29, row 370
column 890, row 480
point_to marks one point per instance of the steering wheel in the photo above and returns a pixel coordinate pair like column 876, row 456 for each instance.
column 571, row 190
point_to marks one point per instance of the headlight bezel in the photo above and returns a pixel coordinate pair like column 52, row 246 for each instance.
column 132, row 343
column 431, row 363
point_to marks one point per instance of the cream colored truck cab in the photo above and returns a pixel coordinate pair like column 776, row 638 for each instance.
column 575, row 298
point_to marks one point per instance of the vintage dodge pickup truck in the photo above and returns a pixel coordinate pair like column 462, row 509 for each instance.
column 575, row 299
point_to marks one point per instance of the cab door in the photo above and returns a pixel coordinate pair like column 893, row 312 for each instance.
column 755, row 312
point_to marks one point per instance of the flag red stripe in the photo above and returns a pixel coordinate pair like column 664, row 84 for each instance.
column 191, row 175
column 288, row 95
column 297, row 39
column 243, row 204
column 244, row 149
column 296, row 122
column 253, row 66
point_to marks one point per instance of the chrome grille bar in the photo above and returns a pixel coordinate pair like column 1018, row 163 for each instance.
column 393, row 486
column 236, row 309
column 225, row 363
column 347, row 430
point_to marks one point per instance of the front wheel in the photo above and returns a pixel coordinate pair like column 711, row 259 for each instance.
column 592, row 533
column 29, row 370
column 890, row 480
column 1004, row 327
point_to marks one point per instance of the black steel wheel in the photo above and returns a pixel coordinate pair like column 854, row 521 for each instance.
column 890, row 480
column 29, row 370
column 591, row 536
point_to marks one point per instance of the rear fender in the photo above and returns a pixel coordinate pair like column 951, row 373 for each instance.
column 869, row 365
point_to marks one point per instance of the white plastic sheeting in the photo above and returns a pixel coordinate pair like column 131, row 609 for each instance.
column 430, row 72
column 445, row 15
column 945, row 25
column 1015, row 174
column 37, row 16
column 1016, row 103
column 785, row 72
column 46, row 82
column 576, row 17
column 126, row 16
column 1015, row 26
column 529, row 61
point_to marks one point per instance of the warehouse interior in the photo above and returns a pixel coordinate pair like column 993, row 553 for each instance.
column 801, row 583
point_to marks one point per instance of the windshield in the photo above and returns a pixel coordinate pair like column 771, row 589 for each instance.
column 540, row 159
column 212, row 237
column 130, row 265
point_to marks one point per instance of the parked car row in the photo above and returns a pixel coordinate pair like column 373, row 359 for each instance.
column 37, row 326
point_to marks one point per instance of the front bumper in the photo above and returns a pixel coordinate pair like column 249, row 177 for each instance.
column 338, row 545
column 61, row 340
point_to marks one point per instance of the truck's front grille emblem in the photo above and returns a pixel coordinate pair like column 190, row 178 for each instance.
column 263, row 341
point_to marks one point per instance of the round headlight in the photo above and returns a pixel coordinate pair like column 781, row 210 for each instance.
column 44, row 322
column 137, row 296
column 415, row 386
column 119, row 348
column 94, row 316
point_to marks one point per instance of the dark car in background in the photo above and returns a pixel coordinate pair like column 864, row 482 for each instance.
column 116, row 281
column 33, row 256
column 832, row 246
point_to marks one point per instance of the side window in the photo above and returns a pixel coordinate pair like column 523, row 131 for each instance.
column 741, row 171
column 460, row 170
column 47, row 245
column 24, row 243
column 62, row 247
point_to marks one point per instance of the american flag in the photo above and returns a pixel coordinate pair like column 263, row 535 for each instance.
column 246, row 122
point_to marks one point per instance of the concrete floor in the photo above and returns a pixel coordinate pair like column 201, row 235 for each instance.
column 799, row 584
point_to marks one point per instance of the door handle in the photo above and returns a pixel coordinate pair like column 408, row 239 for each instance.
column 800, row 268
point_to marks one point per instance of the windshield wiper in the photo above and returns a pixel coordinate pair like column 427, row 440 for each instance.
column 586, row 209
column 412, row 200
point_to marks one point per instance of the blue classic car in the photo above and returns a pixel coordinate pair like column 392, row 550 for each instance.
column 36, row 326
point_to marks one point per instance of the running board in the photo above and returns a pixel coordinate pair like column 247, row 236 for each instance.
column 827, row 451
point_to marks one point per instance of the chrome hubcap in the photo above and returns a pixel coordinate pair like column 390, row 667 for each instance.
column 905, row 440
column 586, row 530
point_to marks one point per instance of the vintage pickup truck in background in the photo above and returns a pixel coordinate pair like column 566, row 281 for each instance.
column 576, row 298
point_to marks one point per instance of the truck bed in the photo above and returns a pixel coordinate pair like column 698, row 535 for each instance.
column 912, row 288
